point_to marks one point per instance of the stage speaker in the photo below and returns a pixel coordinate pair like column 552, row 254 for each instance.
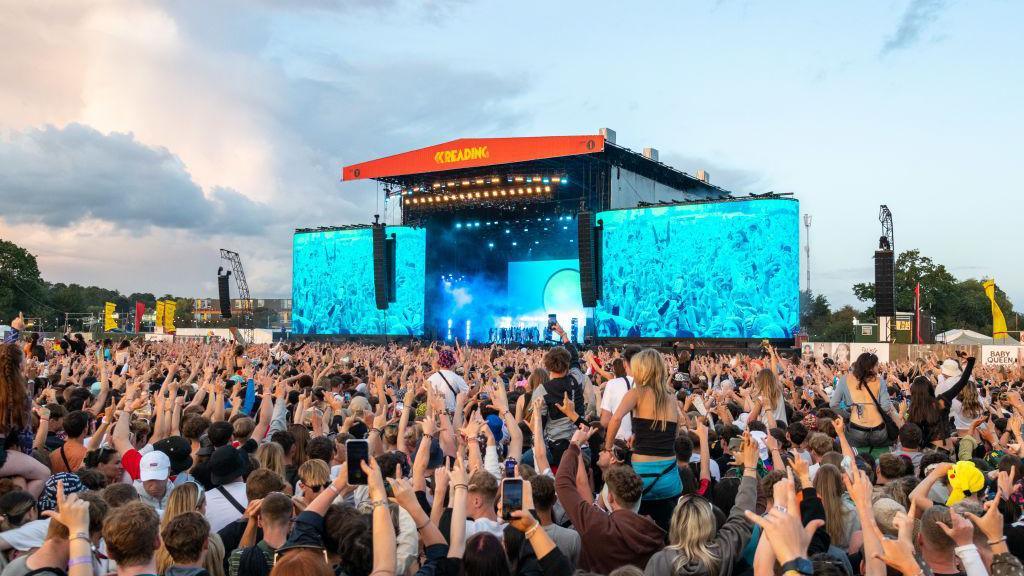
column 383, row 268
column 885, row 283
column 225, row 294
column 589, row 242
column 390, row 244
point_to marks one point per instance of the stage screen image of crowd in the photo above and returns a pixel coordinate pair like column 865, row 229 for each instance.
column 332, row 283
column 500, row 281
column 713, row 270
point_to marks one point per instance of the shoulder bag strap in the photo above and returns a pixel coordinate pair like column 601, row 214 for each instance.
column 65, row 459
column 227, row 496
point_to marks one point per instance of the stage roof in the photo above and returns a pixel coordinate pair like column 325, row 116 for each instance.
column 473, row 153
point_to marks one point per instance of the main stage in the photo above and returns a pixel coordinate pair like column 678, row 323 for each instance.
column 498, row 235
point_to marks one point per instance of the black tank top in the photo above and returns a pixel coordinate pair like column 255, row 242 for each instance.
column 648, row 440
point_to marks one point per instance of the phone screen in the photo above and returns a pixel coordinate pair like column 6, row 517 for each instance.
column 511, row 497
column 510, row 467
column 357, row 451
column 552, row 320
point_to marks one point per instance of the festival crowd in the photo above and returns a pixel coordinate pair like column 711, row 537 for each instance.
column 192, row 457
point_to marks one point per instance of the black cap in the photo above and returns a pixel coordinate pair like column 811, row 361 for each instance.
column 179, row 452
column 226, row 464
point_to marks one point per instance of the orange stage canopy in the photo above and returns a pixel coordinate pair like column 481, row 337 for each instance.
column 472, row 153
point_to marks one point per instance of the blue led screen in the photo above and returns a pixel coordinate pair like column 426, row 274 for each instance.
column 332, row 283
column 716, row 270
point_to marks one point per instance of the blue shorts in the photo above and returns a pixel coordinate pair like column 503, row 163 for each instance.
column 660, row 481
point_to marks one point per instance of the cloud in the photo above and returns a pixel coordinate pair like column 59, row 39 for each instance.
column 736, row 180
column 60, row 177
column 916, row 18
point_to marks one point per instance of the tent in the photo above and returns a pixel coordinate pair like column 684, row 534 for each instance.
column 971, row 338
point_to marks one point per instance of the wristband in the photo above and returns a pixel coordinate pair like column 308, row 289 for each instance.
column 457, row 486
column 425, row 524
column 381, row 502
column 529, row 533
column 997, row 541
column 79, row 560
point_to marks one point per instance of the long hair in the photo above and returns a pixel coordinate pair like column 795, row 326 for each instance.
column 485, row 556
column 651, row 375
column 864, row 368
column 538, row 377
column 692, row 535
column 13, row 390
column 189, row 497
column 766, row 385
column 923, row 404
column 969, row 401
column 271, row 456
column 301, row 435
column 829, row 484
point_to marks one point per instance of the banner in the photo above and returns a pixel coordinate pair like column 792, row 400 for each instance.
column 159, row 322
column 140, row 311
column 109, row 322
column 998, row 321
column 999, row 355
column 881, row 350
column 169, row 307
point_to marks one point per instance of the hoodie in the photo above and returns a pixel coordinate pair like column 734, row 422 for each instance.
column 729, row 541
column 608, row 540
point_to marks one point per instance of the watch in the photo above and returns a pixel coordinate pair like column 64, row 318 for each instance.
column 797, row 566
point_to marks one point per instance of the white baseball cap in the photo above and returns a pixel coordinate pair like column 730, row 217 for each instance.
column 155, row 465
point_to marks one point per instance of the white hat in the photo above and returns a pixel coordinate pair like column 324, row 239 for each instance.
column 155, row 465
column 950, row 368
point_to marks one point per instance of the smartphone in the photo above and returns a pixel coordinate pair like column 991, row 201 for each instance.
column 357, row 451
column 552, row 320
column 511, row 497
column 698, row 403
column 510, row 467
column 399, row 407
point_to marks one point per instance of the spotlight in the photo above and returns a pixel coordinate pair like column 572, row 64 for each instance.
column 529, row 189
column 547, row 188
column 477, row 194
column 436, row 185
column 465, row 182
column 479, row 181
column 502, row 192
column 487, row 193
column 490, row 244
column 515, row 244
column 555, row 179
column 519, row 178
column 528, row 179
column 458, row 224
column 494, row 180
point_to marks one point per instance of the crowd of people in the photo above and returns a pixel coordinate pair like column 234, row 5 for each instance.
column 193, row 458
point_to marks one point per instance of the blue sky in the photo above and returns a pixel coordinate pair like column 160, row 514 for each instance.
column 232, row 119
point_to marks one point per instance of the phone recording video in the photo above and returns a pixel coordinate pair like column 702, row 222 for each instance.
column 357, row 451
column 511, row 497
column 552, row 320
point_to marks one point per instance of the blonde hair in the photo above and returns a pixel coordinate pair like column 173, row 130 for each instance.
column 271, row 456
column 314, row 474
column 969, row 401
column 651, row 375
column 692, row 535
column 189, row 497
column 767, row 387
column 829, row 484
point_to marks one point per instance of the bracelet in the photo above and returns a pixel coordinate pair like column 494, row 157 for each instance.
column 997, row 541
column 457, row 486
column 79, row 560
column 529, row 533
column 425, row 524
column 381, row 502
column 333, row 488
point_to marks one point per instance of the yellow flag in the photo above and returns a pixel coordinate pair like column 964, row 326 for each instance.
column 109, row 323
column 169, row 307
column 159, row 322
column 998, row 321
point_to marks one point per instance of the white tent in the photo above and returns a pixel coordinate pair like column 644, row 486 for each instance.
column 971, row 338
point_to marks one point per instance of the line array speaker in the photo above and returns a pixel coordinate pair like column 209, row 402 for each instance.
column 380, row 267
column 224, row 289
column 885, row 283
column 589, row 242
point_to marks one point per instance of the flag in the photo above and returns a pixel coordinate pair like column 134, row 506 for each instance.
column 169, row 307
column 109, row 323
column 998, row 321
column 140, row 310
column 159, row 322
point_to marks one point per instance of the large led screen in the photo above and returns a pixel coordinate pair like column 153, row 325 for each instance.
column 716, row 270
column 332, row 283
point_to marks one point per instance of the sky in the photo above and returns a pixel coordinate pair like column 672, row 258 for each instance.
column 138, row 137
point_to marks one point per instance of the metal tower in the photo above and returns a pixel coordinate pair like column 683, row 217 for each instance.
column 246, row 321
column 807, row 248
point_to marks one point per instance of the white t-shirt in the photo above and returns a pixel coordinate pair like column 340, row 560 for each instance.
column 27, row 536
column 454, row 381
column 485, row 525
column 614, row 391
column 716, row 472
column 219, row 511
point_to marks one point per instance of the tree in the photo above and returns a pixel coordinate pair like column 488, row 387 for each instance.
column 953, row 303
column 21, row 285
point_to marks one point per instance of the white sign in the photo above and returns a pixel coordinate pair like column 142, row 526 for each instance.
column 999, row 355
column 880, row 350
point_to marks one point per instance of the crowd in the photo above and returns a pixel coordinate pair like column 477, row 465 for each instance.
column 203, row 458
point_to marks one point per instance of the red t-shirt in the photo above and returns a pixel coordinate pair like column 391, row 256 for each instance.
column 132, row 463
